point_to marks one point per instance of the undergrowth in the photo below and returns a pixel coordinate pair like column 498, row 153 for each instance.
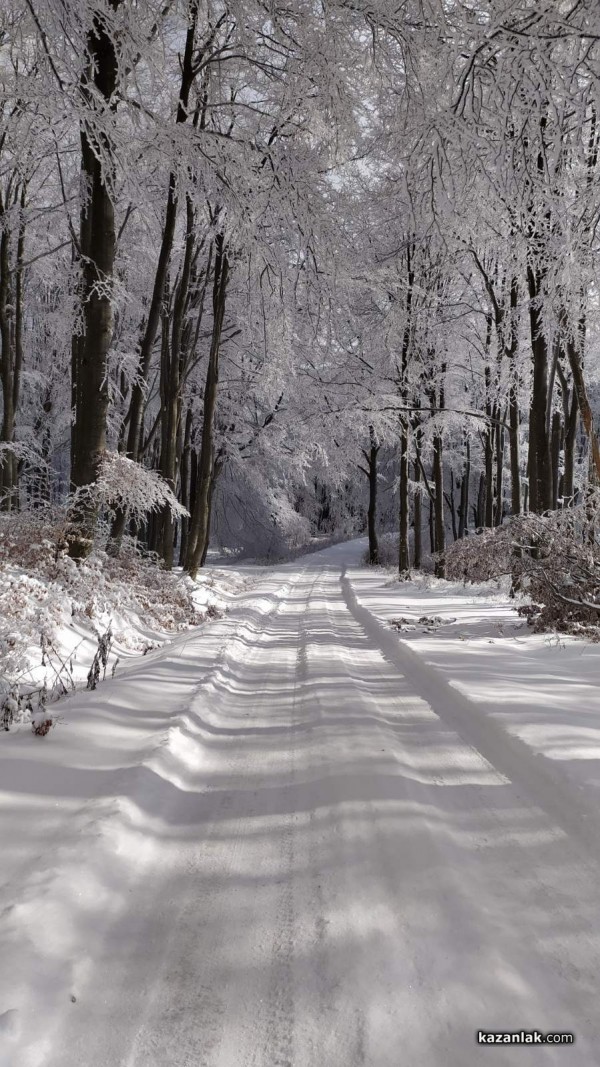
column 42, row 591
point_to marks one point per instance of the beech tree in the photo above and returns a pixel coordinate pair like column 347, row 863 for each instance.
column 312, row 266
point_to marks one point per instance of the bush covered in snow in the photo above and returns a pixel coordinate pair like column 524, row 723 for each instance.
column 553, row 559
column 42, row 592
column 483, row 555
column 124, row 485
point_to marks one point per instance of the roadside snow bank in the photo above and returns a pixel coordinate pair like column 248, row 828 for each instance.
column 541, row 688
column 85, row 811
column 53, row 611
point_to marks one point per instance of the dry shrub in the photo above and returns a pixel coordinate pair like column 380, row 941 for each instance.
column 553, row 560
column 41, row 589
column 41, row 727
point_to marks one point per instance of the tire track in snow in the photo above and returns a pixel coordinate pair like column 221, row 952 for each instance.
column 529, row 771
column 555, row 976
column 279, row 1023
column 303, row 911
column 196, row 1031
column 150, row 1016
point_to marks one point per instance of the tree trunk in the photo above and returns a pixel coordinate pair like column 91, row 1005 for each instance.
column 11, row 345
column 150, row 330
column 575, row 363
column 439, row 526
column 450, row 500
column 556, row 442
column 463, row 513
column 489, row 454
column 514, row 448
column 499, row 468
column 404, row 502
column 98, row 247
column 217, row 468
column 508, row 342
column 169, row 390
column 417, row 520
column 199, row 525
column 18, row 331
column 570, row 438
column 403, row 505
column 372, row 511
column 540, row 467
column 438, row 479
column 7, row 459
column 513, row 405
column 184, row 483
column 480, row 512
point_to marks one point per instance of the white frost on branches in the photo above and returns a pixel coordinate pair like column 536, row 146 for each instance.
column 127, row 486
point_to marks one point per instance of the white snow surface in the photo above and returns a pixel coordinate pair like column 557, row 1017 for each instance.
column 140, row 619
column 298, row 837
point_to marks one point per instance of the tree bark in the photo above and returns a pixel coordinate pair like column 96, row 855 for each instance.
column 575, row 363
column 439, row 526
column 498, row 511
column 572, row 418
column 199, row 525
column 372, row 510
column 150, row 330
column 438, row 480
column 540, row 468
column 98, row 247
column 7, row 465
column 451, row 502
column 184, row 483
column 513, row 403
column 417, row 521
column 463, row 512
column 403, row 506
column 217, row 468
column 489, row 453
column 404, row 502
column 480, row 508
column 556, row 442
column 11, row 340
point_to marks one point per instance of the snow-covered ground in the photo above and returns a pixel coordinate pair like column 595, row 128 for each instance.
column 298, row 835
column 53, row 612
column 540, row 689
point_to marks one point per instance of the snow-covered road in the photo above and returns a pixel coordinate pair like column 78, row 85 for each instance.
column 287, row 841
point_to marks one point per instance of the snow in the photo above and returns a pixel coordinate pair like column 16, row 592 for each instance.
column 296, row 835
column 540, row 688
column 53, row 614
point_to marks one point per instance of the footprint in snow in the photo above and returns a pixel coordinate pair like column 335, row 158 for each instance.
column 9, row 1023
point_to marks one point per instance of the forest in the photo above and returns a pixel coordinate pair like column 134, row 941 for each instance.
column 299, row 533
column 274, row 271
